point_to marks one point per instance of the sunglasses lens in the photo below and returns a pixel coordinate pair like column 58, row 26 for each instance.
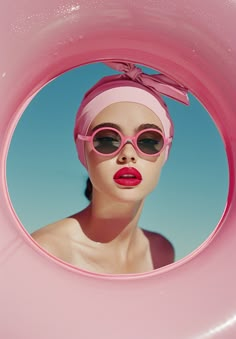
column 150, row 142
column 106, row 141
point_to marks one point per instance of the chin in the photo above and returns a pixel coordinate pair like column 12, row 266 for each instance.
column 129, row 194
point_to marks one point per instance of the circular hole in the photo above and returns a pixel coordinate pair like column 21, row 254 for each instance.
column 46, row 181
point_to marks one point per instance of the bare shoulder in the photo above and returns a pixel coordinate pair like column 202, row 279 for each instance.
column 162, row 250
column 53, row 237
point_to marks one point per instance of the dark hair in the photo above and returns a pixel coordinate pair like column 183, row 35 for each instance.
column 88, row 190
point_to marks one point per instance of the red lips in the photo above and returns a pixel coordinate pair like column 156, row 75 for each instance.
column 128, row 176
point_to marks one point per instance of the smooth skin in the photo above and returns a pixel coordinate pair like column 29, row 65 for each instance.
column 105, row 236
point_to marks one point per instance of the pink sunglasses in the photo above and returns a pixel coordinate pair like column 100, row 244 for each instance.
column 109, row 141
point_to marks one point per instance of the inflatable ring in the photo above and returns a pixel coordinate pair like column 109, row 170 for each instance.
column 42, row 297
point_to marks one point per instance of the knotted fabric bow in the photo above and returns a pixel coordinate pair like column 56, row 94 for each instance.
column 157, row 83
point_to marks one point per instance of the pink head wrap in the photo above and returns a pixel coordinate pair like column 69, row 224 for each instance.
column 131, row 86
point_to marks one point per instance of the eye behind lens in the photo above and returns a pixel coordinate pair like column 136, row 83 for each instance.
column 106, row 141
column 150, row 142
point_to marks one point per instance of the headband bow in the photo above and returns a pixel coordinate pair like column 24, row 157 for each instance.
column 157, row 83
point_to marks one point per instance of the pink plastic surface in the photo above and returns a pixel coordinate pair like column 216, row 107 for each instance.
column 193, row 41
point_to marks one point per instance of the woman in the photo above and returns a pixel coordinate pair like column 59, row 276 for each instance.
column 123, row 133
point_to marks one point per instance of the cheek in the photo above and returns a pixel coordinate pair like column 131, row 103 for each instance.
column 100, row 168
column 92, row 158
column 95, row 161
column 154, row 177
column 152, row 172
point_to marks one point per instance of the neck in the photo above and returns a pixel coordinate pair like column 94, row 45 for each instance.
column 108, row 221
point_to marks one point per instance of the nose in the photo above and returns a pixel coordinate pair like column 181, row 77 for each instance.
column 127, row 153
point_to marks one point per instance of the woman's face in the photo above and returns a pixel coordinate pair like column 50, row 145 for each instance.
column 128, row 117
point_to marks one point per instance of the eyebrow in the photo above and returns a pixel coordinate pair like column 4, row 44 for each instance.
column 107, row 124
column 140, row 128
column 145, row 126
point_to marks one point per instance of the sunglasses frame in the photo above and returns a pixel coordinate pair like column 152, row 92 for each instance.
column 124, row 140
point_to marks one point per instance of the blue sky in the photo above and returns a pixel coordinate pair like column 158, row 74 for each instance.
column 46, row 180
